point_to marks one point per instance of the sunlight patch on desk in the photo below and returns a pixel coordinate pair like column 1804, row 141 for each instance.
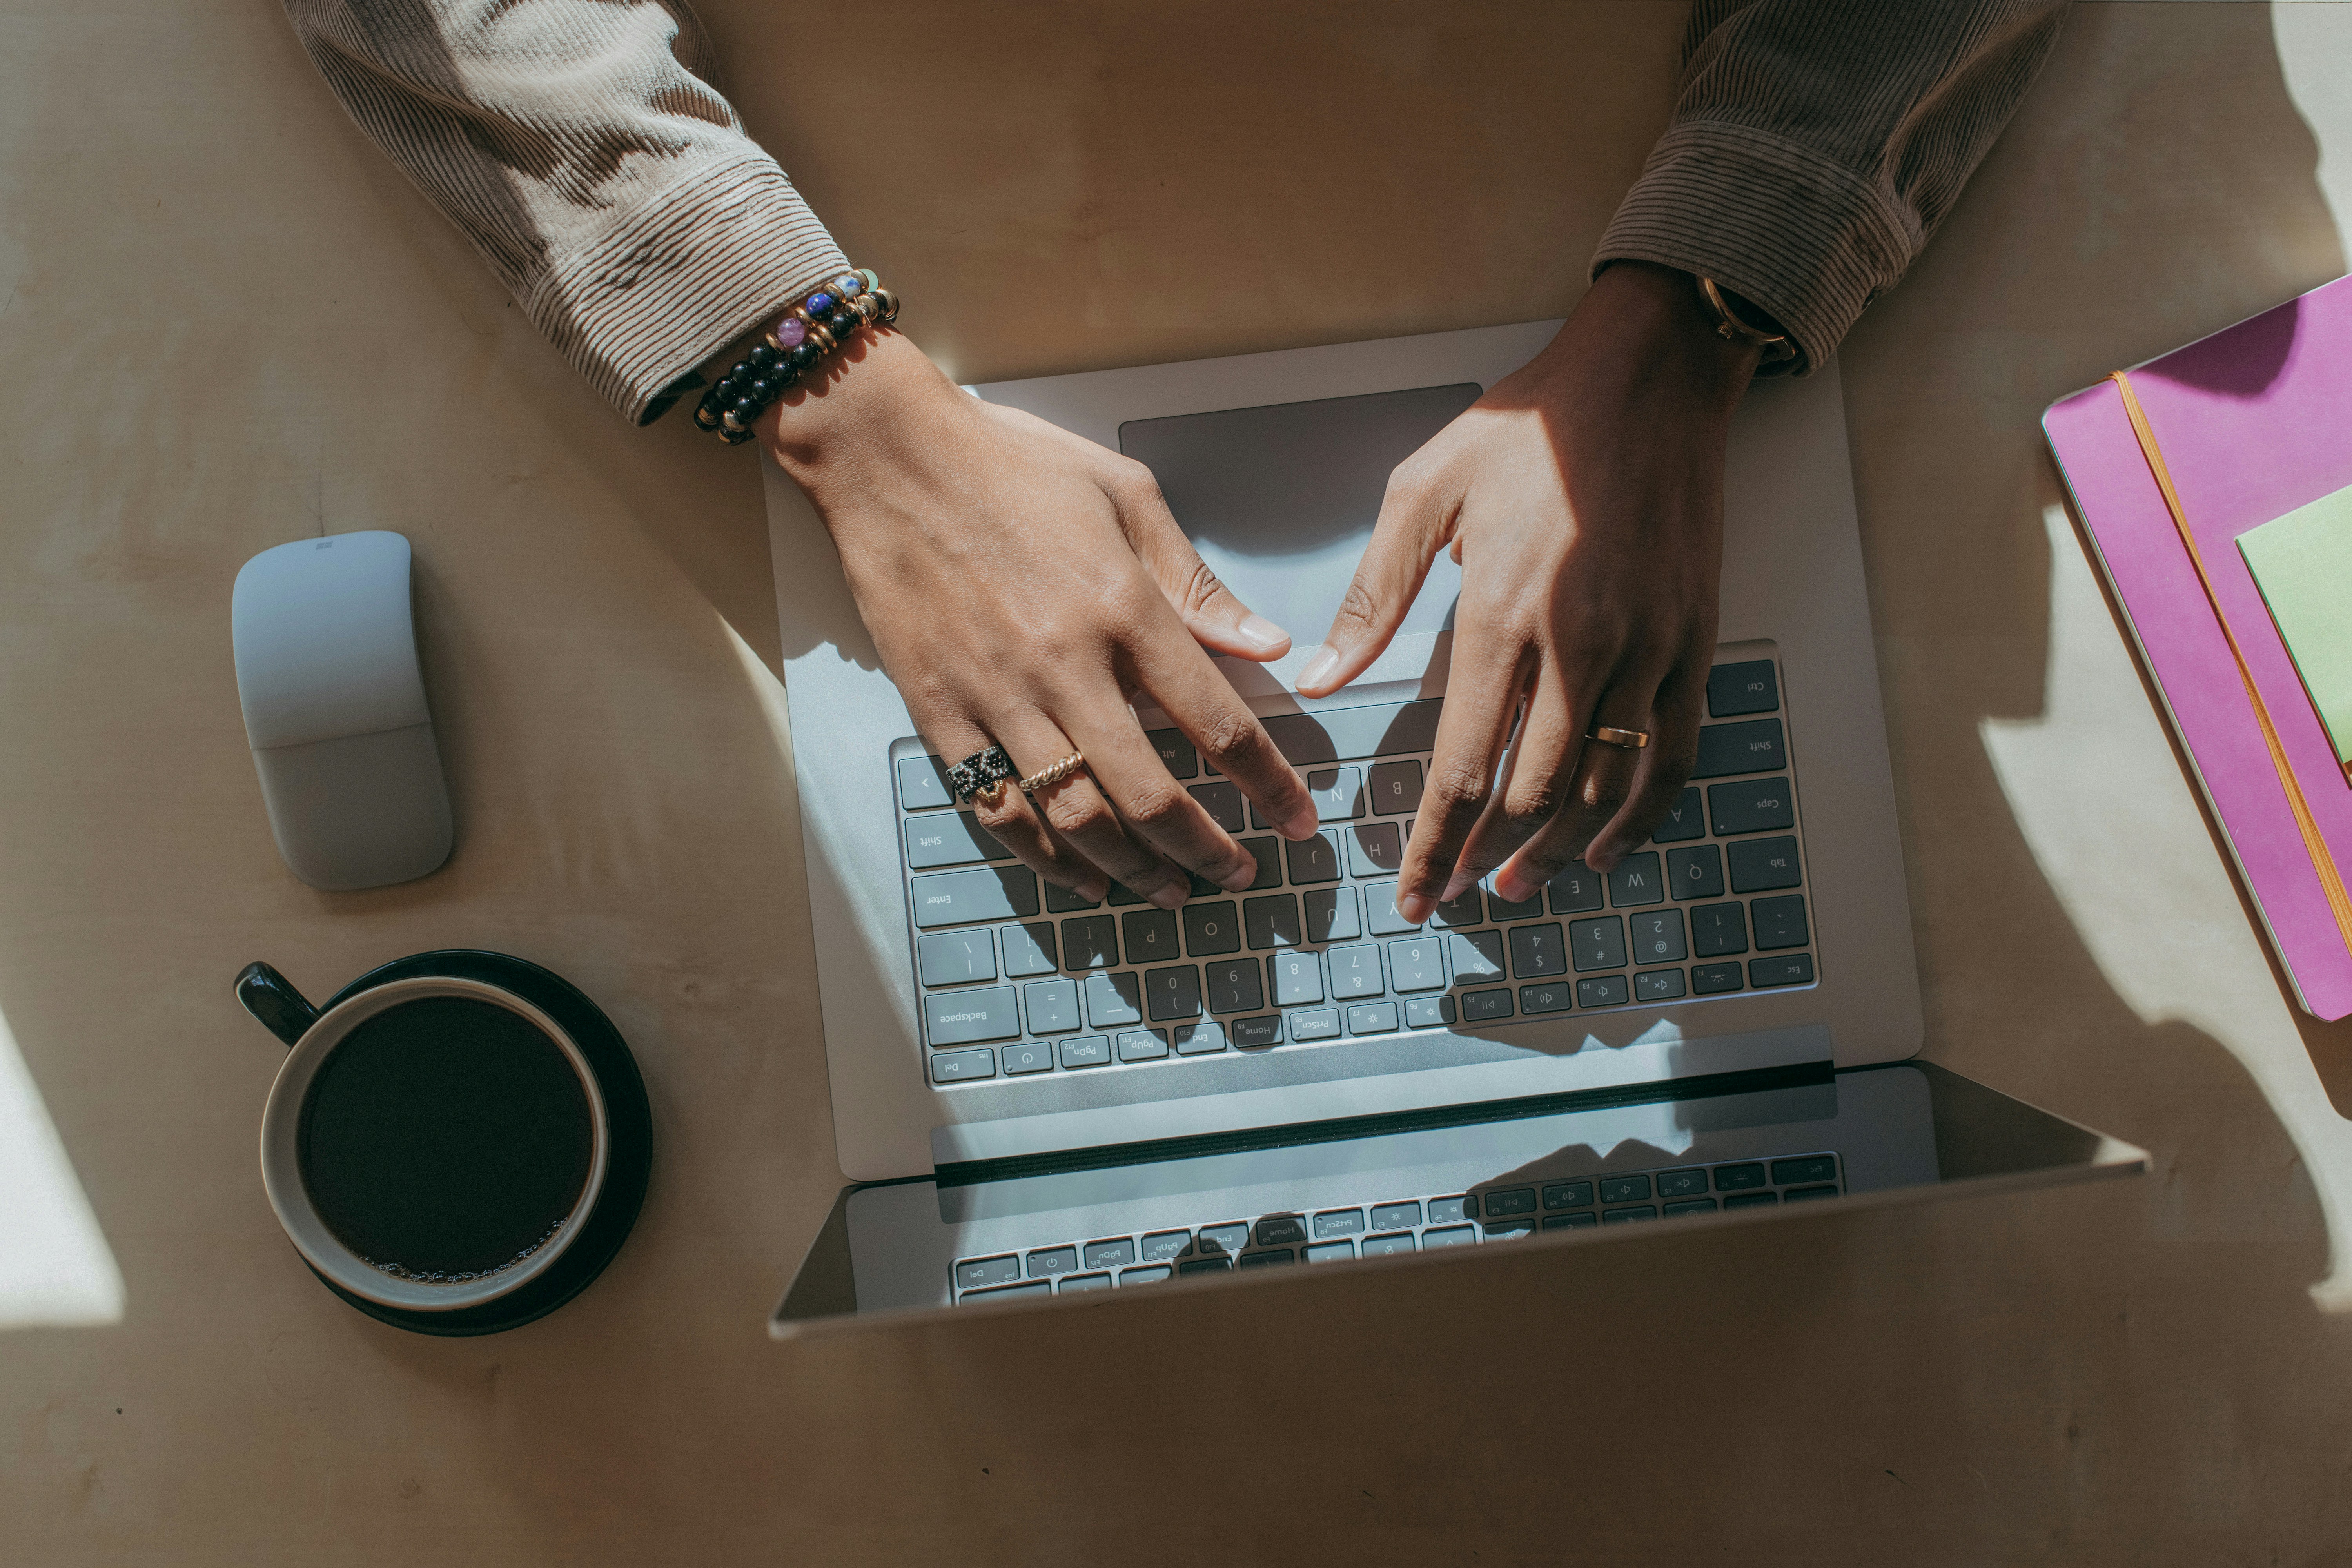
column 56, row 1269
column 2117, row 835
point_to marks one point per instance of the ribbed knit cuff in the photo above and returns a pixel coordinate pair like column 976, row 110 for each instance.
column 1769, row 220
column 678, row 280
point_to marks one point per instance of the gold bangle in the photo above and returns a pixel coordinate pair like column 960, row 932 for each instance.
column 1729, row 326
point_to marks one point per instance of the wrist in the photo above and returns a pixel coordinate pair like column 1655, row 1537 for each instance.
column 879, row 388
column 1654, row 320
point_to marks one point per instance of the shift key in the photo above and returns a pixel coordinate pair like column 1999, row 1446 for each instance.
column 1753, row 747
column 989, row 894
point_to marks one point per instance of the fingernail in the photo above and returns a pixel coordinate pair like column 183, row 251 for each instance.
column 1454, row 884
column 1604, row 857
column 1301, row 827
column 1171, row 897
column 1318, row 669
column 1094, row 892
column 1413, row 908
column 1510, row 888
column 1261, row 633
column 1244, row 872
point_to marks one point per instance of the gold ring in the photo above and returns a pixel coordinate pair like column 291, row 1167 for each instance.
column 1631, row 740
column 1052, row 773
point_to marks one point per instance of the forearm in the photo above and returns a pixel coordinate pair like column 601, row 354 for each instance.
column 1816, row 145
column 579, row 146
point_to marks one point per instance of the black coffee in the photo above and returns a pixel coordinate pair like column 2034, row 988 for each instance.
column 445, row 1139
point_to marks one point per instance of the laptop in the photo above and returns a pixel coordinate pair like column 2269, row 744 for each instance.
column 1037, row 1097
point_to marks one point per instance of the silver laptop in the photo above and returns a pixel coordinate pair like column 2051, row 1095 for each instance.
column 1058, row 1098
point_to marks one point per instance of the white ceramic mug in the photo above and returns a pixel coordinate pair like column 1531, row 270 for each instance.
column 314, row 1037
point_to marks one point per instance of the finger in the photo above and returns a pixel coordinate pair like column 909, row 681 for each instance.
column 1215, row 617
column 1666, row 763
column 1603, row 782
column 1014, row 824
column 1415, row 522
column 1482, row 699
column 1538, row 774
column 1188, row 688
column 1156, row 809
column 1076, row 811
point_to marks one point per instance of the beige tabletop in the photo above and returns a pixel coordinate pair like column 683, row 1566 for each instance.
column 226, row 321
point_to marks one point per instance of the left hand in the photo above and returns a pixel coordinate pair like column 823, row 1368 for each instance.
column 1583, row 496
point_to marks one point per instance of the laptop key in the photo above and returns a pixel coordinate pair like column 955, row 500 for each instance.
column 1657, row 937
column 1166, row 1245
column 1395, row 788
column 1751, row 1200
column 1269, row 1260
column 1147, row 1275
column 1269, row 852
column 1779, row 922
column 1086, row 1051
column 1331, row 914
column 1321, row 1025
column 1110, row 1254
column 1569, row 1221
column 1607, row 990
column 964, row 1017
column 1683, row 1184
column 1338, row 1222
column 1696, row 872
column 979, row 1273
column 1691, row 1206
column 1797, row 969
column 1316, row 860
column 1418, row 965
column 1234, row 987
column 1029, row 1288
column 1803, row 1195
column 1717, row 929
column 1760, row 865
column 953, row 957
column 1636, row 881
column 1174, row 993
column 1476, row 955
column 1091, row 942
column 1273, row 921
column 1223, row 802
column 1022, row 1059
column 991, row 893
column 1452, row 1236
column 1536, row 951
column 1114, row 999
column 1445, row 1210
column 1712, row 979
column 1500, row 908
column 1382, row 1245
column 1623, row 1189
column 1506, row 1229
column 949, row 838
column 1486, row 1006
column 1206, row 1265
column 1199, row 1039
column 1741, row 1177
column 1751, row 805
column 1028, row 950
column 1507, row 1202
column 1212, row 929
column 1053, row 1260
column 1375, row 849
column 1749, row 687
column 1380, row 917
column 1372, row 1018
column 1053, row 1006
column 1298, row 978
column 1598, row 945
column 1082, row 1282
column 1754, row 747
column 922, row 783
column 1061, row 900
column 1355, row 971
column 1464, row 911
column 1176, row 752
column 1627, row 1217
column 1215, row 1238
column 1150, row 935
column 1339, row 794
column 1281, row 1230
column 1256, row 1034
column 1576, row 891
column 1568, row 1195
column 1685, row 820
column 1331, row 1252
column 958, row 1066
column 1552, row 998
column 1395, row 1216
column 1658, row 985
column 1428, row 1012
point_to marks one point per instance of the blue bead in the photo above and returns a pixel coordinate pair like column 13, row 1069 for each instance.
column 849, row 285
column 818, row 303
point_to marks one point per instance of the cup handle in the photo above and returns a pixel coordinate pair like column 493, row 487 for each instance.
column 271, row 997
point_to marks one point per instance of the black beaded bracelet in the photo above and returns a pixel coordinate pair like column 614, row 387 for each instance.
column 790, row 349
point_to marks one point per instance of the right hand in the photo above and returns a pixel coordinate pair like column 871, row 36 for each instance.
column 1019, row 583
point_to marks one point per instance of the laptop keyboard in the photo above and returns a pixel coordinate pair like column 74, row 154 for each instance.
column 1017, row 977
column 1397, row 1225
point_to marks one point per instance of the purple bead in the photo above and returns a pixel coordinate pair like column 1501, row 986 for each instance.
column 818, row 303
column 792, row 331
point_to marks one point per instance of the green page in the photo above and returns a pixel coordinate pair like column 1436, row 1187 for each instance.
column 2302, row 564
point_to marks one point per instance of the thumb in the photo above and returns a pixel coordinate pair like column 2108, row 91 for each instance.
column 1218, row 620
column 1409, row 533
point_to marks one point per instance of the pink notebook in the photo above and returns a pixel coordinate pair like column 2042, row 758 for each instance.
column 2252, row 422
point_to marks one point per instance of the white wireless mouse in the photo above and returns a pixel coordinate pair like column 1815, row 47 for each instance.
column 334, row 709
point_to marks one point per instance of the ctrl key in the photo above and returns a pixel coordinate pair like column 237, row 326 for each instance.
column 958, row 1066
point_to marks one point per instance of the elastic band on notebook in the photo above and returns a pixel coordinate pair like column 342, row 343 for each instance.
column 2330, row 883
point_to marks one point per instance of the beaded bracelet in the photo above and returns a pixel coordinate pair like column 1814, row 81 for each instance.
column 790, row 348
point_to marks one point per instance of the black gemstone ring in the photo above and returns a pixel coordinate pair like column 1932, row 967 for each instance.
column 979, row 773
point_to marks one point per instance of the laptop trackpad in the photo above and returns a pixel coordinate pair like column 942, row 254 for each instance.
column 1280, row 502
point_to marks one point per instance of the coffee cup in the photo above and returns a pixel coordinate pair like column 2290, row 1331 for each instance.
column 433, row 1143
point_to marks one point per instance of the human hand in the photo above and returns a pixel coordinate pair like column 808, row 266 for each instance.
column 1583, row 496
column 1019, row 583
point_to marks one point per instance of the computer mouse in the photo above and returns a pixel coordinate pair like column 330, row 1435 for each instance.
column 335, row 711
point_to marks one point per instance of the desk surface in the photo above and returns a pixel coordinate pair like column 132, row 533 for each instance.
column 227, row 321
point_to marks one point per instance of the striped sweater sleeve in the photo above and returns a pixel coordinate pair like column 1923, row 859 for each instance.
column 1816, row 145
column 582, row 148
